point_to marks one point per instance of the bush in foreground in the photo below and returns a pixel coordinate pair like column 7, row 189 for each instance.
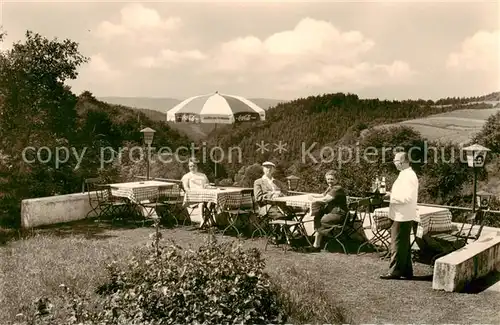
column 218, row 283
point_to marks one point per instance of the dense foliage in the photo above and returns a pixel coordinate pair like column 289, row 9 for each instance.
column 443, row 173
column 333, row 131
column 316, row 121
column 38, row 110
column 489, row 136
column 216, row 284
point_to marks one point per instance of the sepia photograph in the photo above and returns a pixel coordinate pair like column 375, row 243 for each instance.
column 249, row 162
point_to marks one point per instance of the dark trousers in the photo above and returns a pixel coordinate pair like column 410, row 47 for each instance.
column 400, row 249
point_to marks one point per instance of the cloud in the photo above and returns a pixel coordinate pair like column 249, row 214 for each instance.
column 313, row 54
column 312, row 57
column 99, row 70
column 138, row 23
column 350, row 77
column 480, row 52
column 169, row 58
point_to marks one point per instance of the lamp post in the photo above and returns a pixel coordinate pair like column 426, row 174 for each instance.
column 476, row 155
column 148, row 133
column 293, row 182
column 483, row 199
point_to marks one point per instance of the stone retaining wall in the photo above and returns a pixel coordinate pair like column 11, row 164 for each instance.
column 455, row 270
column 54, row 209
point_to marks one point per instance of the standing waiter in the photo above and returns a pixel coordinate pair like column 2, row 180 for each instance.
column 403, row 212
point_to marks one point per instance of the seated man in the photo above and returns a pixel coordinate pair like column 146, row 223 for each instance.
column 330, row 208
column 267, row 187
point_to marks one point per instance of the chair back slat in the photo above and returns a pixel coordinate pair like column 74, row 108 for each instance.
column 247, row 194
column 171, row 193
column 103, row 192
column 363, row 206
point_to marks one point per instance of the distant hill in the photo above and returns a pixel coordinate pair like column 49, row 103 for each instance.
column 164, row 104
column 156, row 108
column 266, row 103
column 151, row 114
column 322, row 120
column 156, row 104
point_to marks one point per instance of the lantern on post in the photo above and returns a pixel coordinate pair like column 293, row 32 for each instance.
column 483, row 199
column 148, row 134
column 476, row 156
column 293, row 182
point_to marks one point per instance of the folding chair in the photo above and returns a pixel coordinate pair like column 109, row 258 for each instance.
column 470, row 230
column 363, row 209
column 152, row 205
column 95, row 201
column 380, row 227
column 260, row 222
column 345, row 230
column 172, row 198
column 104, row 204
column 281, row 232
column 243, row 210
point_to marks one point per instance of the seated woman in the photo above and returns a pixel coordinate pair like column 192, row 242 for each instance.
column 330, row 210
column 267, row 187
column 194, row 179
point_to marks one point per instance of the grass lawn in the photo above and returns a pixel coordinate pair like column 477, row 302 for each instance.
column 75, row 256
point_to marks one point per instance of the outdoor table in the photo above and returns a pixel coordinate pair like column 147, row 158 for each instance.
column 139, row 192
column 222, row 197
column 430, row 220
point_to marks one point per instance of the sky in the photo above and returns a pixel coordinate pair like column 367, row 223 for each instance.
column 281, row 50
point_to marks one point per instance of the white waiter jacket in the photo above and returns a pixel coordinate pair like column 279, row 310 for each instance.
column 404, row 196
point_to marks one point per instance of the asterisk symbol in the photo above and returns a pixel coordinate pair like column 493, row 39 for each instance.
column 262, row 147
column 280, row 147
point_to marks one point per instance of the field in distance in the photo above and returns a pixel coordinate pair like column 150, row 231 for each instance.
column 457, row 126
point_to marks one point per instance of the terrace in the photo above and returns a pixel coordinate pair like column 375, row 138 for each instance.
column 77, row 253
column 70, row 237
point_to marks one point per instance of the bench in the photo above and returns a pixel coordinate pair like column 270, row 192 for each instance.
column 453, row 272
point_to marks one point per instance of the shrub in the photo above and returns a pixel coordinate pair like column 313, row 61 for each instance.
column 251, row 173
column 489, row 135
column 218, row 283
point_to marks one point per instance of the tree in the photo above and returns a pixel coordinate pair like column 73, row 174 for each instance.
column 37, row 109
column 489, row 135
column 37, row 106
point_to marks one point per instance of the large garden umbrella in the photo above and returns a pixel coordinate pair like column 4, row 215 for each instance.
column 216, row 108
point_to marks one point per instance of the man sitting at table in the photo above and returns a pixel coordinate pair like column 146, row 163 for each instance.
column 194, row 179
column 331, row 210
column 267, row 187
